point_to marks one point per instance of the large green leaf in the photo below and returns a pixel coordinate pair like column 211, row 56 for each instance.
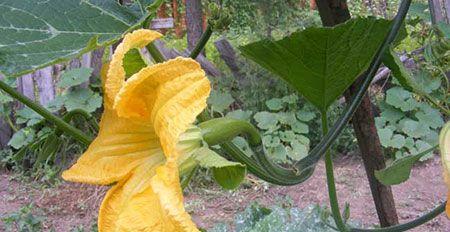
column 34, row 34
column 321, row 63
column 227, row 173
column 400, row 170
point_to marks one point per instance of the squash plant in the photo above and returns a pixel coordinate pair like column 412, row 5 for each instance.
column 145, row 141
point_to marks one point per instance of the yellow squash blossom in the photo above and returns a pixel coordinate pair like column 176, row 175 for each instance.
column 138, row 146
column 444, row 145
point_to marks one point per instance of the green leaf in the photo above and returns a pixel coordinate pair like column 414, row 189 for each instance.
column 274, row 104
column 402, row 99
column 133, row 62
column 227, row 173
column 413, row 128
column 299, row 127
column 391, row 60
column 22, row 138
column 35, row 34
column 321, row 63
column 28, row 116
column 420, row 10
column 432, row 118
column 84, row 99
column 266, row 120
column 240, row 115
column 388, row 139
column 305, row 115
column 220, row 100
column 400, row 170
column 74, row 77
column 271, row 141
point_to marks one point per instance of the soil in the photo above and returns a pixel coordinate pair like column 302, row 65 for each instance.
column 70, row 205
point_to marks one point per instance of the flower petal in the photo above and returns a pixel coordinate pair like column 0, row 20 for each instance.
column 168, row 95
column 132, row 205
column 120, row 146
column 167, row 187
column 116, row 73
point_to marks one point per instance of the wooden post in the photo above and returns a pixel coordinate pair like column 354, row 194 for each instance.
column 25, row 85
column 177, row 19
column 440, row 11
column 5, row 130
column 333, row 12
column 45, row 85
column 194, row 22
column 228, row 55
column 162, row 13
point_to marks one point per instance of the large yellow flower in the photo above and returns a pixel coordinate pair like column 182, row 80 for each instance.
column 138, row 145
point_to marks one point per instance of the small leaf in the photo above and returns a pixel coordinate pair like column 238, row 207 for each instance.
column 85, row 99
column 28, row 116
column 305, row 116
column 266, row 120
column 400, row 98
column 22, row 138
column 240, row 115
column 400, row 170
column 227, row 173
column 271, row 141
column 414, row 128
column 432, row 118
column 220, row 100
column 74, row 77
column 299, row 127
column 274, row 104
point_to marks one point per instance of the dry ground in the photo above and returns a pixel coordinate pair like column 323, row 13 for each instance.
column 70, row 205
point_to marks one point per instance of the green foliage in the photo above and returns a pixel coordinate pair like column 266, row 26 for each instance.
column 285, row 129
column 267, row 18
column 37, row 34
column 257, row 218
column 23, row 220
column 84, row 99
column 407, row 126
column 74, row 77
column 227, row 174
column 220, row 100
column 37, row 144
column 313, row 61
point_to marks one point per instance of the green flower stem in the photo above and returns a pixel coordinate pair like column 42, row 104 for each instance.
column 408, row 225
column 219, row 130
column 330, row 181
column 61, row 124
column 202, row 42
column 155, row 53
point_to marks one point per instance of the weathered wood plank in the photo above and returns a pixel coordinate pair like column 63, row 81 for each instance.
column 5, row 130
column 228, row 54
column 45, row 85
